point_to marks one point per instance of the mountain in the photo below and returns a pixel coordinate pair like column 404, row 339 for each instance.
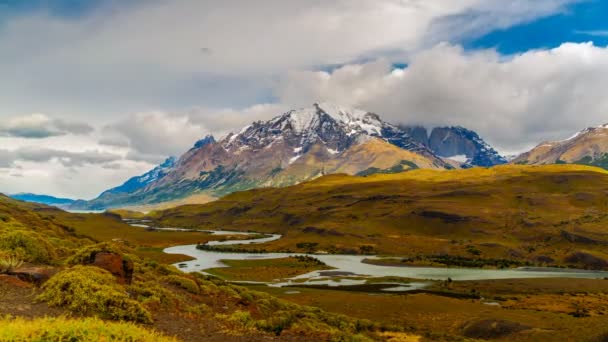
column 43, row 199
column 457, row 143
column 589, row 147
column 293, row 147
column 123, row 192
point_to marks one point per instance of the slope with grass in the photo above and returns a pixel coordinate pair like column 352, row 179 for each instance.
column 110, row 282
column 541, row 215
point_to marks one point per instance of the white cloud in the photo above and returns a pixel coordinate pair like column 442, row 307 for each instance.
column 53, row 177
column 38, row 126
column 514, row 102
column 167, row 54
column 155, row 134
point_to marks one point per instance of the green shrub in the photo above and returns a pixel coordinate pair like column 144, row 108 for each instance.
column 84, row 255
column 183, row 282
column 82, row 330
column 150, row 293
column 28, row 246
column 92, row 291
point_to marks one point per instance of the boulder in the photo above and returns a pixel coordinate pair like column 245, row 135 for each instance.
column 33, row 274
column 114, row 263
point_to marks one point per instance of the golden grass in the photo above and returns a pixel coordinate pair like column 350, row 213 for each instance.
column 83, row 330
column 514, row 212
column 265, row 269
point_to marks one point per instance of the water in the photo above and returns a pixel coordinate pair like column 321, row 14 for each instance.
column 353, row 263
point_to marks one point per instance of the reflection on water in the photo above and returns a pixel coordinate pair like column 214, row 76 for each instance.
column 353, row 263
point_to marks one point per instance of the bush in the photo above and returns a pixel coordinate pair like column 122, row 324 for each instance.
column 29, row 246
column 8, row 263
column 85, row 255
column 183, row 282
column 83, row 330
column 152, row 294
column 91, row 290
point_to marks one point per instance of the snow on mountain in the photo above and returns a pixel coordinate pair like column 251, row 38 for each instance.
column 449, row 142
column 588, row 146
column 149, row 177
column 335, row 126
column 293, row 147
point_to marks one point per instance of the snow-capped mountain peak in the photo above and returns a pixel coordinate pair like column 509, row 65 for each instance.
column 336, row 126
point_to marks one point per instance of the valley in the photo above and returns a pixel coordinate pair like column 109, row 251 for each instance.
column 304, row 171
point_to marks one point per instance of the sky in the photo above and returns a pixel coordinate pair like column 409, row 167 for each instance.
column 93, row 92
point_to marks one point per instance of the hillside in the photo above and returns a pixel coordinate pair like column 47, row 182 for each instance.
column 541, row 215
column 587, row 147
column 69, row 274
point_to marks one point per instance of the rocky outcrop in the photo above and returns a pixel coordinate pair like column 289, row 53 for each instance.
column 458, row 143
column 34, row 274
column 114, row 263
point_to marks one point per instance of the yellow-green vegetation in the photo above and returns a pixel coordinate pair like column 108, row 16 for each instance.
column 27, row 233
column 82, row 330
column 9, row 263
column 183, row 282
column 188, row 306
column 267, row 269
column 548, row 309
column 90, row 290
column 551, row 215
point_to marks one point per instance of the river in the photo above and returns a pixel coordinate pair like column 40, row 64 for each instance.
column 352, row 264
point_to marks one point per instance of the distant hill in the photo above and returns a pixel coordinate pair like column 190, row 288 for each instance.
column 587, row 147
column 43, row 199
column 541, row 215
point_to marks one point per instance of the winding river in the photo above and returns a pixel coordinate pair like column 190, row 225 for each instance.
column 353, row 265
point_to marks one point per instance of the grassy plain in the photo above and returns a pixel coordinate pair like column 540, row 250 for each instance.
column 543, row 215
column 266, row 269
column 545, row 309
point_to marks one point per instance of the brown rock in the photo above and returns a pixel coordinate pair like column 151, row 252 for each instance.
column 35, row 275
column 114, row 263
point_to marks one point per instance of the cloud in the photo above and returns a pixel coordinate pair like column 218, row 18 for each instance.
column 154, row 135
column 119, row 58
column 38, row 126
column 598, row 33
column 224, row 120
column 513, row 102
column 66, row 158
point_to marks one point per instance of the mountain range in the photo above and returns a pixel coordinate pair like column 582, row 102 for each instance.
column 44, row 199
column 297, row 146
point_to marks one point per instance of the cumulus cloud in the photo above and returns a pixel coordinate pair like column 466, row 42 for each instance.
column 38, row 126
column 224, row 120
column 154, row 135
column 66, row 158
column 163, row 54
column 514, row 102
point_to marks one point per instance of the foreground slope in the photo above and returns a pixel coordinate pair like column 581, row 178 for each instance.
column 68, row 274
column 541, row 215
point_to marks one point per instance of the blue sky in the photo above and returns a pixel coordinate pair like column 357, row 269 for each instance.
column 582, row 22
